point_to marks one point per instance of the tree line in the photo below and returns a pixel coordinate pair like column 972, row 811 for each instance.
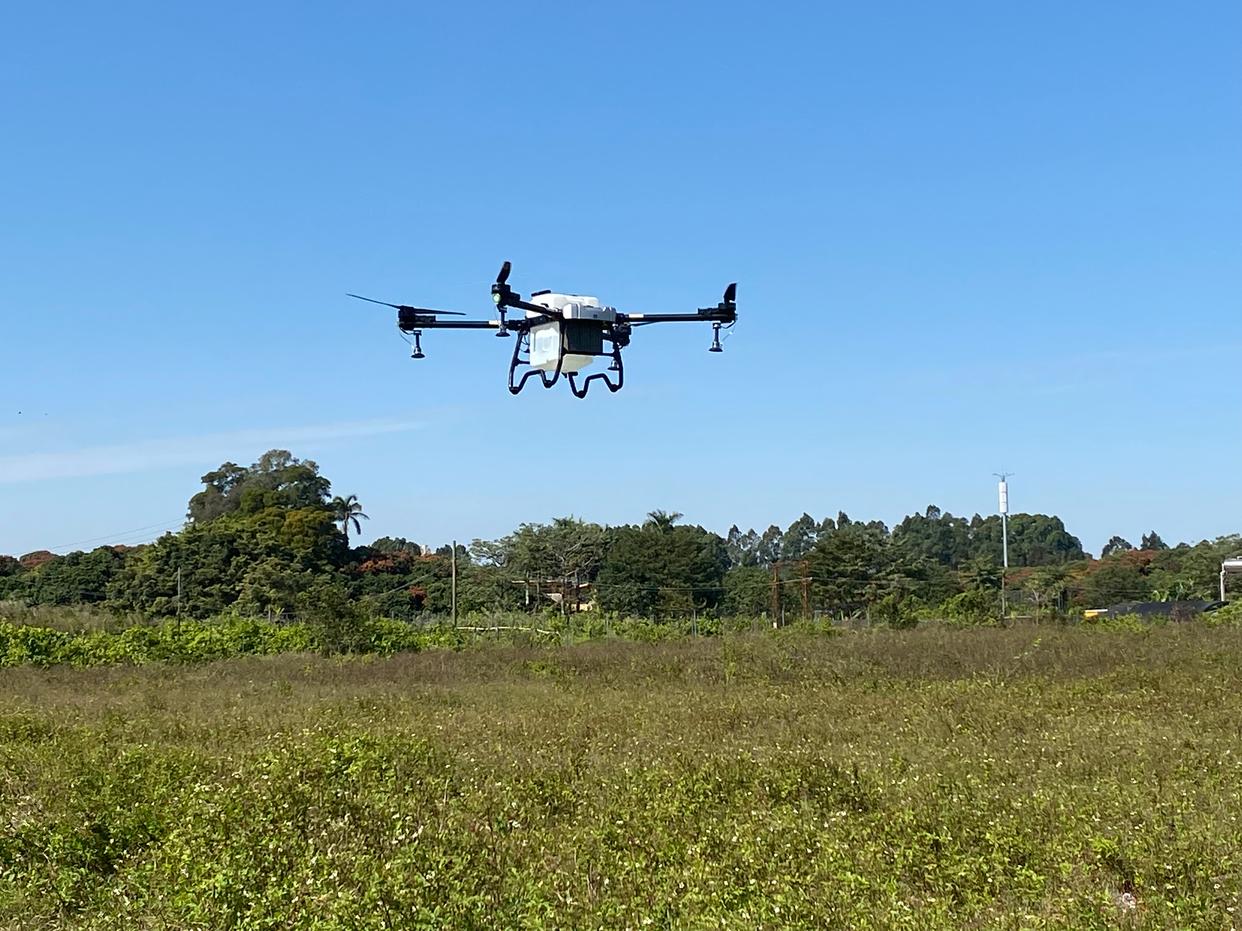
column 270, row 539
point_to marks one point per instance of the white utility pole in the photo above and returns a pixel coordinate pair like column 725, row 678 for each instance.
column 1003, row 490
column 453, row 563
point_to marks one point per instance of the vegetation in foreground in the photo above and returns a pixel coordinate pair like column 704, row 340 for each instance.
column 1022, row 778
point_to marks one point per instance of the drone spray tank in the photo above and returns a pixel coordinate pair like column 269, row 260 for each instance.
column 579, row 331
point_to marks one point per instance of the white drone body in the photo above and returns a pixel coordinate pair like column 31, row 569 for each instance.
column 581, row 329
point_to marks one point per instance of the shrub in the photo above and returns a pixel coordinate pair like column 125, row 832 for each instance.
column 895, row 611
column 1229, row 615
column 975, row 607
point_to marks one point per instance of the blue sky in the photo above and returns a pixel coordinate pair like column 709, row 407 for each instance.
column 968, row 236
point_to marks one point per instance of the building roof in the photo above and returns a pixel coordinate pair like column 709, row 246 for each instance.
column 1162, row 608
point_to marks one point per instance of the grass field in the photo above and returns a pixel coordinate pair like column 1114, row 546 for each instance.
column 1023, row 778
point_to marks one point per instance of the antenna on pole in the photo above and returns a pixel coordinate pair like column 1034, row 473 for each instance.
column 1003, row 494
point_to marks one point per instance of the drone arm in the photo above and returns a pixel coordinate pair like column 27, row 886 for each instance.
column 411, row 322
column 709, row 315
column 723, row 313
column 414, row 322
column 536, row 308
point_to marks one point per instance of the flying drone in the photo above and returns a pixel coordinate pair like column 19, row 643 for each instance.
column 560, row 334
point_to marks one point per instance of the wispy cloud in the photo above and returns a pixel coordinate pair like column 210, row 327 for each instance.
column 210, row 448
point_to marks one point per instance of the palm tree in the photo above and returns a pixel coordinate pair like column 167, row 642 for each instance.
column 663, row 520
column 346, row 511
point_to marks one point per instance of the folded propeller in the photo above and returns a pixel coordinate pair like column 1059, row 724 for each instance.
column 421, row 311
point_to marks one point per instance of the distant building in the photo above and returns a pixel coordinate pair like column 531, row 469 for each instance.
column 1174, row 610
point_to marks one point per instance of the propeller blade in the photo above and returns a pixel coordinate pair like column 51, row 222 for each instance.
column 425, row 311
column 730, row 295
column 504, row 273
column 373, row 300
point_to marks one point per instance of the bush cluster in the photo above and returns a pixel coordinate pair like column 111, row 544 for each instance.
column 202, row 641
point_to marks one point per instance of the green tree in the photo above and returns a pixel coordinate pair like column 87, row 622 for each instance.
column 34, row 560
column 272, row 586
column 973, row 606
column 494, row 553
column 251, row 530
column 1152, row 541
column 936, row 537
column 277, row 479
column 895, row 610
column 983, row 573
column 75, row 578
column 1116, row 544
column 337, row 620
column 1178, row 590
column 395, row 544
column 662, row 569
column 852, row 567
column 799, row 539
column 10, row 578
column 1191, row 572
column 768, row 550
column 743, row 548
column 210, row 558
column 1046, row 586
column 554, row 562
column 747, row 591
column 1034, row 540
column 402, row 582
column 1114, row 580
column 663, row 521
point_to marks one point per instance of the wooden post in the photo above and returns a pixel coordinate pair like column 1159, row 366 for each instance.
column 776, row 593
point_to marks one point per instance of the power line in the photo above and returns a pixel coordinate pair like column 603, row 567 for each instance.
column 113, row 537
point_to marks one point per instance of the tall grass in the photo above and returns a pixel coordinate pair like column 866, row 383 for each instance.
column 1024, row 778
